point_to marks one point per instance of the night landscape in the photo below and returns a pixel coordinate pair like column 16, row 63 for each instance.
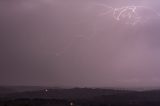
column 79, row 53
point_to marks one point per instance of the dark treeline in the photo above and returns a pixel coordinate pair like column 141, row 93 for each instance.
column 101, row 101
column 34, row 102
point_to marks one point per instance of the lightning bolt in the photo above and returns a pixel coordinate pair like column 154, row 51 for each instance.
column 126, row 14
column 129, row 13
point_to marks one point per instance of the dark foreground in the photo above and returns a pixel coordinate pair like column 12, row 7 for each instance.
column 53, row 102
column 81, row 97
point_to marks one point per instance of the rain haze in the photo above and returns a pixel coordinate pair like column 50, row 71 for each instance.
column 80, row 43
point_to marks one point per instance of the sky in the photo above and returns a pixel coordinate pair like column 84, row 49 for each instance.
column 80, row 43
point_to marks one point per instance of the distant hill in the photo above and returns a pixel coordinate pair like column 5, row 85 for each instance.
column 5, row 90
column 75, row 93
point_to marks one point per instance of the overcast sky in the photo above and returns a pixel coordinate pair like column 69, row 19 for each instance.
column 77, row 43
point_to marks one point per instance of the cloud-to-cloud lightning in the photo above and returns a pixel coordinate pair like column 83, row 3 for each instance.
column 130, row 14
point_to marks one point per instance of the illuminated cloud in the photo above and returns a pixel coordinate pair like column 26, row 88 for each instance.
column 80, row 42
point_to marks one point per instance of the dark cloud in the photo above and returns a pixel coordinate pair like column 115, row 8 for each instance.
column 71, row 43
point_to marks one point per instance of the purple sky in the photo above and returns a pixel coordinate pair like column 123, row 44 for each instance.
column 72, row 43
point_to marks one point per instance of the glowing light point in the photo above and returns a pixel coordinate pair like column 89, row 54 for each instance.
column 46, row 90
column 71, row 104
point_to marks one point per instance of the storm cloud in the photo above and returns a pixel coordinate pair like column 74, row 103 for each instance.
column 72, row 43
